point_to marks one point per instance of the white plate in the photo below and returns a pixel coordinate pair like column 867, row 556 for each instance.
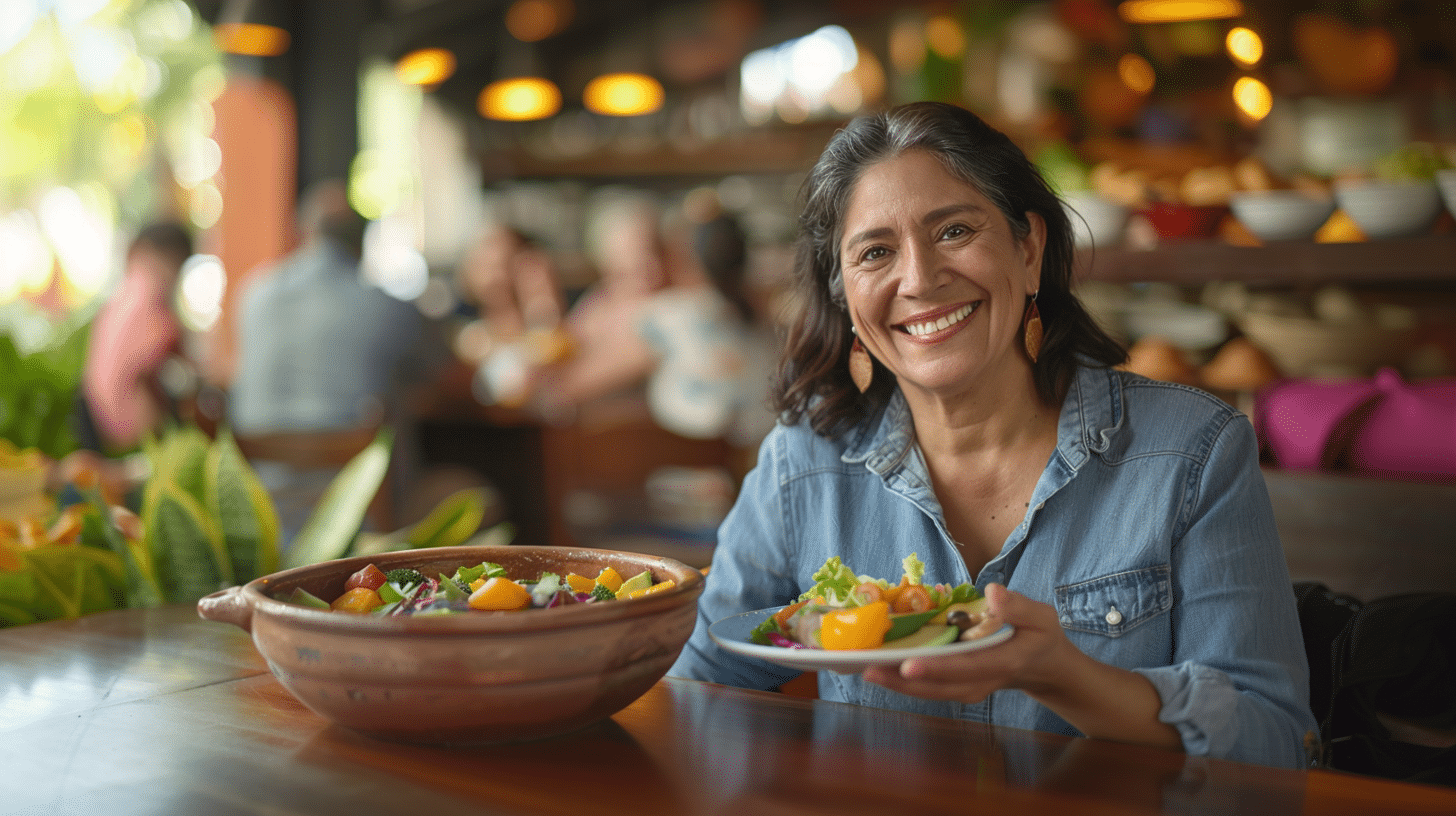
column 732, row 633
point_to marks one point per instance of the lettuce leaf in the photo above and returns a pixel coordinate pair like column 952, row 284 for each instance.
column 833, row 582
column 914, row 569
column 761, row 632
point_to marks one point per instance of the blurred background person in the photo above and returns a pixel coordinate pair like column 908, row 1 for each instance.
column 603, row 381
column 511, row 283
column 714, row 356
column 136, row 375
column 513, row 296
column 321, row 350
column 123, row 396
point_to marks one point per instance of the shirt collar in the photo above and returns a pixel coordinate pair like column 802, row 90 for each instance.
column 1091, row 415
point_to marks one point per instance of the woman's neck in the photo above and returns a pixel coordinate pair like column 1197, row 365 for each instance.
column 984, row 420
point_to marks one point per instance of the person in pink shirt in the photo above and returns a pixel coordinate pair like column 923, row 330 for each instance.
column 133, row 335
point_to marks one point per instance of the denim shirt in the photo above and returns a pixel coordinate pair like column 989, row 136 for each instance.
column 1150, row 531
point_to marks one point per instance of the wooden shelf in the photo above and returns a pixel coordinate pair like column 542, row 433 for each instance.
column 1429, row 259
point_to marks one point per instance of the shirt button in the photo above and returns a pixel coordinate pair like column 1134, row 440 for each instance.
column 1113, row 617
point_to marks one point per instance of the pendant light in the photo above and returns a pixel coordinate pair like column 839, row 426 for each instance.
column 1178, row 11
column 625, row 88
column 522, row 93
column 253, row 28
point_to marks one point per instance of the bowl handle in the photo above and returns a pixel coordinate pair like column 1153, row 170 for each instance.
column 227, row 606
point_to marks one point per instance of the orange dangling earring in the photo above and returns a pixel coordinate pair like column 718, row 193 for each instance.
column 861, row 367
column 1032, row 324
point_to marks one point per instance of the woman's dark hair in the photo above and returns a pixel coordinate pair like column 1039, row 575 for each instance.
column 813, row 378
column 168, row 239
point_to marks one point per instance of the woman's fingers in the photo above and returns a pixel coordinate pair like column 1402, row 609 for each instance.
column 971, row 676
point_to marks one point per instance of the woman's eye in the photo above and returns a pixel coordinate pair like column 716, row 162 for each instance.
column 954, row 231
column 873, row 254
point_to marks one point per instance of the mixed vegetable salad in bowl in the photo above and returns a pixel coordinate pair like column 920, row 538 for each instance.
column 528, row 658
column 484, row 587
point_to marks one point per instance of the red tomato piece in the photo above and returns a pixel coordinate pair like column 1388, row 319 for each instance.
column 371, row 577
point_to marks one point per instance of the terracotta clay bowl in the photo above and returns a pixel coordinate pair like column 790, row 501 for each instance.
column 473, row 677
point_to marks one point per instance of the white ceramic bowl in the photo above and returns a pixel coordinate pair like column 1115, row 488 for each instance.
column 1446, row 180
column 1282, row 215
column 1390, row 209
column 1096, row 222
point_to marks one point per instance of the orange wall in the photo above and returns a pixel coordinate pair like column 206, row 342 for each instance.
column 257, row 129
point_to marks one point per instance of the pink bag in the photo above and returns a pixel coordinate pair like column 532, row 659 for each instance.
column 1410, row 432
column 1381, row 427
column 1297, row 418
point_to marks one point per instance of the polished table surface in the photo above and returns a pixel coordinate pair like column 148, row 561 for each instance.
column 159, row 712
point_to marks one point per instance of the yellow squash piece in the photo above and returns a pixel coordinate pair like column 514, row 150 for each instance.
column 609, row 578
column 651, row 590
column 500, row 595
column 359, row 600
column 579, row 583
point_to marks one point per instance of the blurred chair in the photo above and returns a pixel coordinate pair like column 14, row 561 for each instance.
column 298, row 466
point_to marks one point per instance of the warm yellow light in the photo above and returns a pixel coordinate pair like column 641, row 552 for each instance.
column 623, row 95
column 1253, row 98
column 427, row 66
column 1244, row 46
column 535, row 20
column 1178, row 11
column 1136, row 73
column 519, row 100
column 945, row 37
column 907, row 46
column 251, row 39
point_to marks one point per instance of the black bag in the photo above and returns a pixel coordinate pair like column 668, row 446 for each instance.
column 1393, row 656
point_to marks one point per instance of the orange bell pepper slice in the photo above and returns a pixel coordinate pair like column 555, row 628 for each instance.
column 863, row 627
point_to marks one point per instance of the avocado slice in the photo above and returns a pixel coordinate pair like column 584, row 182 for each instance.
column 929, row 635
column 906, row 623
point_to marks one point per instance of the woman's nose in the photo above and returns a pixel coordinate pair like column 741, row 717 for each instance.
column 920, row 268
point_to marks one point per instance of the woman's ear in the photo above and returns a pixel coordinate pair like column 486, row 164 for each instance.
column 1033, row 245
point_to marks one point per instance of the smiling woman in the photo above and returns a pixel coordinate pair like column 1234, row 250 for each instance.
column 1120, row 526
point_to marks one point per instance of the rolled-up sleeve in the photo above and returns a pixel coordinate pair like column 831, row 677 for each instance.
column 1238, row 687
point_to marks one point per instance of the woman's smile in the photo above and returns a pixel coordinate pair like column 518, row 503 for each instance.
column 935, row 326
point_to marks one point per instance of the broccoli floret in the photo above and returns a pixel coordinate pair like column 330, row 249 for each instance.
column 404, row 576
column 601, row 593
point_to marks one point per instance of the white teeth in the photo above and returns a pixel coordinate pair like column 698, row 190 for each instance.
column 930, row 326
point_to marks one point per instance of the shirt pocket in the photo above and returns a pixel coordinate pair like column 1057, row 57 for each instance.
column 1115, row 604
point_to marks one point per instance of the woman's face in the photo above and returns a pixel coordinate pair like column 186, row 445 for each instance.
column 934, row 280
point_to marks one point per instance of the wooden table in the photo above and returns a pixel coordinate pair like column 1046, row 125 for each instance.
column 159, row 712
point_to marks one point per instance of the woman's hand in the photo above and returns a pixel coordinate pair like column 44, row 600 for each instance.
column 1097, row 699
column 1030, row 660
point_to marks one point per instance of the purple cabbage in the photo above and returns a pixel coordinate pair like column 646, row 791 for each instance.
column 779, row 640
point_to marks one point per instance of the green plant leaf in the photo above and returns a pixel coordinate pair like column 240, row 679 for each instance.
column 14, row 616
column 179, row 459
column 244, row 510
column 453, row 520
column 17, row 587
column 138, row 580
column 336, row 520
column 184, row 544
